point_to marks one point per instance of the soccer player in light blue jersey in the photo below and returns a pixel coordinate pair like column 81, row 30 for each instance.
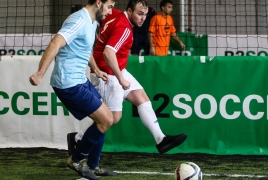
column 71, row 49
column 111, row 54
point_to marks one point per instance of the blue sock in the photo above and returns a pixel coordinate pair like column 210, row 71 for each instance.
column 94, row 156
column 89, row 140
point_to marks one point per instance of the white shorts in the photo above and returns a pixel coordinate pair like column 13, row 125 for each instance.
column 112, row 93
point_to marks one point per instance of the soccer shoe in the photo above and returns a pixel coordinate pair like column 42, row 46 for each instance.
column 99, row 171
column 169, row 142
column 81, row 168
column 71, row 142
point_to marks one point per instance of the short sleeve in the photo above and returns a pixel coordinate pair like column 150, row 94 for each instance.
column 172, row 27
column 72, row 28
column 153, row 24
column 119, row 36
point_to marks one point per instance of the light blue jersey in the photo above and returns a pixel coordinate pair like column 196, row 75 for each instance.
column 71, row 61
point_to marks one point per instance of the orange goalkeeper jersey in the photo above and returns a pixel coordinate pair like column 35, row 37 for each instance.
column 161, row 28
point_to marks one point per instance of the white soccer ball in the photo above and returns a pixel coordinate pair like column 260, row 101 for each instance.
column 188, row 171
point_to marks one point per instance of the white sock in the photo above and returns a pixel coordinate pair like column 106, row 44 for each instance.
column 149, row 119
column 80, row 134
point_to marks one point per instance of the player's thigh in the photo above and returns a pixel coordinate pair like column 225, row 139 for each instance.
column 112, row 93
column 135, row 93
column 137, row 97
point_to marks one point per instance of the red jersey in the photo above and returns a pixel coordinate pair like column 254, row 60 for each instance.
column 115, row 33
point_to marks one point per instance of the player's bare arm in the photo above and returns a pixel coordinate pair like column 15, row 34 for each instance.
column 177, row 39
column 111, row 60
column 152, row 48
column 92, row 64
column 57, row 42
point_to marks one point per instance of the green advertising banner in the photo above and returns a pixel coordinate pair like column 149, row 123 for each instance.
column 196, row 45
column 220, row 103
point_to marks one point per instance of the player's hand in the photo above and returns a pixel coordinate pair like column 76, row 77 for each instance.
column 35, row 79
column 183, row 47
column 125, row 84
column 103, row 75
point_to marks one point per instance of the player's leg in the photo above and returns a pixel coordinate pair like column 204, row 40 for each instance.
column 138, row 97
column 149, row 119
column 112, row 94
column 94, row 158
column 102, row 118
column 89, row 145
column 73, row 139
column 144, row 105
column 81, row 102
column 93, row 137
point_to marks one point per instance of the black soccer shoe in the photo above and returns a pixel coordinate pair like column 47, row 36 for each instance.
column 71, row 142
column 170, row 142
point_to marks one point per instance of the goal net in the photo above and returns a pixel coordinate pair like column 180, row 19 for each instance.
column 207, row 27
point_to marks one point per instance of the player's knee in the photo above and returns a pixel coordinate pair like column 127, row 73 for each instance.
column 104, row 119
column 105, row 124
column 109, row 121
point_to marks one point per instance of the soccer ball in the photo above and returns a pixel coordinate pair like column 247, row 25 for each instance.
column 188, row 171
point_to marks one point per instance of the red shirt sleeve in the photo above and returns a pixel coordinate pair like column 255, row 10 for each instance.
column 119, row 36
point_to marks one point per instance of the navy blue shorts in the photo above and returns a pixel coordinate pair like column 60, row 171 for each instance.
column 81, row 100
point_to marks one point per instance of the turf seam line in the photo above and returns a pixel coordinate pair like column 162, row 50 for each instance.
column 214, row 175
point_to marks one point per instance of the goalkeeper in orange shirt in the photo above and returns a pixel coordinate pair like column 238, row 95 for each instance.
column 161, row 29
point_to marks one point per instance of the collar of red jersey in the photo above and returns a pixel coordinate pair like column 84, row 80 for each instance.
column 125, row 12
